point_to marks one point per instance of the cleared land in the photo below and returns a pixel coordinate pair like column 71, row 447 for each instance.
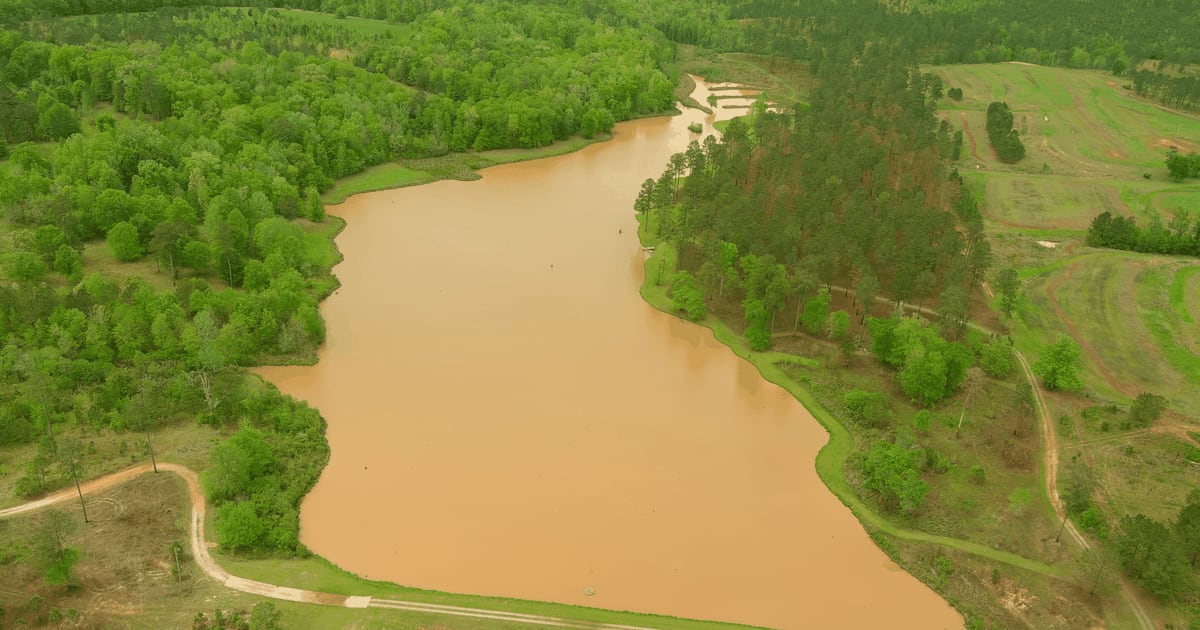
column 1089, row 142
column 781, row 80
column 132, row 575
column 1091, row 145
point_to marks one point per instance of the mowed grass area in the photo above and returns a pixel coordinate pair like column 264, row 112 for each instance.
column 1089, row 145
column 1185, row 294
column 1079, row 122
column 1119, row 307
column 1020, row 201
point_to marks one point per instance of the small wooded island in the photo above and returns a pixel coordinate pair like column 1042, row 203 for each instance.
column 961, row 237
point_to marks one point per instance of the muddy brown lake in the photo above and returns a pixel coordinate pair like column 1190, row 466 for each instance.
column 507, row 416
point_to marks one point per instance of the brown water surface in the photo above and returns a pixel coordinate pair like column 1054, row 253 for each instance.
column 508, row 417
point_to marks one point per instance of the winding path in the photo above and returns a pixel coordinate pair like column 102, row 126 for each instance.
column 213, row 570
column 1051, row 464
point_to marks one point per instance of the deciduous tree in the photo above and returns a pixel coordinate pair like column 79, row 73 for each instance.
column 1059, row 365
column 123, row 242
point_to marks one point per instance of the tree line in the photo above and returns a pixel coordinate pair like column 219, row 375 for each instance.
column 1179, row 88
column 1150, row 41
column 1181, row 167
column 1180, row 236
column 1002, row 135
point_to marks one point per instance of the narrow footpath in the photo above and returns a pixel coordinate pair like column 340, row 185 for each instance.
column 1051, row 464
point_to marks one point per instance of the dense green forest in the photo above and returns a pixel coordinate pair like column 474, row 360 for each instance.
column 198, row 141
column 161, row 171
column 855, row 190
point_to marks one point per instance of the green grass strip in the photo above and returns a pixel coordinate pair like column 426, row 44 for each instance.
column 1153, row 284
column 381, row 177
column 319, row 574
column 1178, row 293
column 462, row 166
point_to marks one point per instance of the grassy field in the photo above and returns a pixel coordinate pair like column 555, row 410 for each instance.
column 1135, row 318
column 1077, row 122
column 1091, row 146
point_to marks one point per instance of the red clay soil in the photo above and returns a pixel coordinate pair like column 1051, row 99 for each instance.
column 970, row 136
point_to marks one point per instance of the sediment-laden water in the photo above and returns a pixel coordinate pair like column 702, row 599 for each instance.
column 508, row 417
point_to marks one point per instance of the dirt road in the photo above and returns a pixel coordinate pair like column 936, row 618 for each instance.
column 213, row 570
column 1051, row 466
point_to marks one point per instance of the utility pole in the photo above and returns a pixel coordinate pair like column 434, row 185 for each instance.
column 75, row 475
column 151, row 449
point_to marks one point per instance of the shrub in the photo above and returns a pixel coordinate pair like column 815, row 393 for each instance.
column 890, row 469
column 1146, row 408
column 1091, row 521
column 868, row 408
column 238, row 526
column 687, row 297
column 264, row 616
column 922, row 420
column 978, row 476
column 996, row 359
